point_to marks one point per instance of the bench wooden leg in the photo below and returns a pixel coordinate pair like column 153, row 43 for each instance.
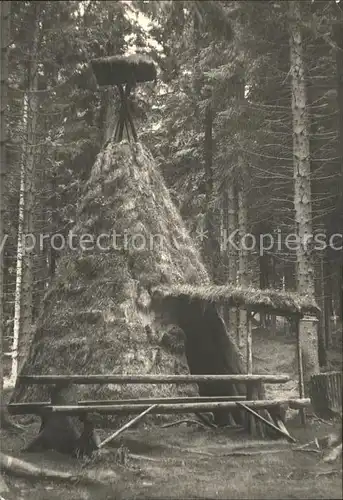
column 89, row 440
column 252, row 395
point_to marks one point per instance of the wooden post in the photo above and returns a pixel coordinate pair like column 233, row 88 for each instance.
column 300, row 371
column 249, row 343
column 251, row 392
column 260, row 394
column 250, row 420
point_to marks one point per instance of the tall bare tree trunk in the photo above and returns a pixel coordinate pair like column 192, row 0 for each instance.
column 24, row 281
column 242, row 198
column 302, row 184
column 338, row 33
column 4, row 46
column 4, row 28
column 27, row 291
column 19, row 261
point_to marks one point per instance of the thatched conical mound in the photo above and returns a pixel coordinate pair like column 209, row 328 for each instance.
column 98, row 316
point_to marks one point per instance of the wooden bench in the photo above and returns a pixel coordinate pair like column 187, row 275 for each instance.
column 50, row 411
column 253, row 384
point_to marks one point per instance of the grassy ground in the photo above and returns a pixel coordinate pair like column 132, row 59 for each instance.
column 189, row 462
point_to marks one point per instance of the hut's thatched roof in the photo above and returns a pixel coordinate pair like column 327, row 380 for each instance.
column 272, row 301
column 96, row 316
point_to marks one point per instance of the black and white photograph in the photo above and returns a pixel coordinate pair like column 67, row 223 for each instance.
column 171, row 249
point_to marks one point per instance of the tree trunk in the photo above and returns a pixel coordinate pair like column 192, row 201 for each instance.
column 229, row 206
column 264, row 282
column 19, row 261
column 243, row 256
column 328, row 281
column 242, row 199
column 52, row 254
column 30, row 163
column 274, row 284
column 208, row 157
column 338, row 34
column 4, row 35
column 41, row 269
column 302, row 182
column 210, row 242
column 320, row 297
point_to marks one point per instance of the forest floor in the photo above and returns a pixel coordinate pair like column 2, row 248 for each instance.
column 186, row 462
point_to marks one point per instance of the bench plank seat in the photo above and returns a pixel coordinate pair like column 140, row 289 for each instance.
column 166, row 408
column 26, row 408
column 149, row 379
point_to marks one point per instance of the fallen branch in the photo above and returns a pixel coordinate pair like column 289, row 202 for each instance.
column 144, row 457
column 14, row 466
column 126, row 426
column 20, row 468
column 251, row 453
column 183, row 421
column 328, row 473
column 306, row 445
column 195, row 452
column 269, row 424
column 307, row 450
column 321, row 443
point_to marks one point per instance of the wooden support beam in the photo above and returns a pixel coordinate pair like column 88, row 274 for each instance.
column 127, row 426
column 149, row 379
column 252, row 387
column 301, row 385
column 282, row 426
column 252, row 395
column 249, row 343
column 170, row 408
column 269, row 424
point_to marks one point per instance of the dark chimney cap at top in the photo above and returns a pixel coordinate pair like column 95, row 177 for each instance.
column 118, row 70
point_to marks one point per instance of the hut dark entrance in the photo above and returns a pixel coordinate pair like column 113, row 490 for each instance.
column 125, row 73
column 209, row 347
